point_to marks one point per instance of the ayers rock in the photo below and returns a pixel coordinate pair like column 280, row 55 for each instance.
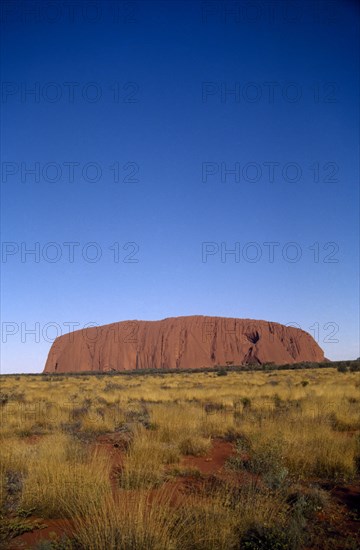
column 180, row 343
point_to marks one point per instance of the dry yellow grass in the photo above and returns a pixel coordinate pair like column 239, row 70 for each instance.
column 61, row 473
column 298, row 425
column 128, row 522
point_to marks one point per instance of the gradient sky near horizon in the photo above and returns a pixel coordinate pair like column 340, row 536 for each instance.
column 157, row 137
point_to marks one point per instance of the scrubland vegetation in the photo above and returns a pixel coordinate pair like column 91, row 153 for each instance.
column 246, row 460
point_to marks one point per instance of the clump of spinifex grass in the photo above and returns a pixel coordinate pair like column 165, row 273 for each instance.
column 183, row 426
column 264, row 460
column 144, row 520
column 135, row 520
column 306, row 442
column 145, row 460
column 222, row 518
column 62, row 471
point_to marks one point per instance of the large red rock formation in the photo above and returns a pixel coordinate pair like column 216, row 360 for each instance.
column 180, row 343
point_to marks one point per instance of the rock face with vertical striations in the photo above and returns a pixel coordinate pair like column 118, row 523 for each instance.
column 180, row 343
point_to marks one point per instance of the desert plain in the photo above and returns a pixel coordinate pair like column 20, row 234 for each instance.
column 261, row 457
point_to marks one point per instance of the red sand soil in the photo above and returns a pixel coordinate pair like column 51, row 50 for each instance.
column 192, row 342
column 214, row 461
column 54, row 528
column 340, row 522
column 349, row 496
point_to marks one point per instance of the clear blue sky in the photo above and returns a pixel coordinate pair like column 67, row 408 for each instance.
column 152, row 99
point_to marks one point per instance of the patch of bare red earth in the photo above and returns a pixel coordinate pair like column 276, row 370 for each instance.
column 214, row 461
column 338, row 527
column 54, row 529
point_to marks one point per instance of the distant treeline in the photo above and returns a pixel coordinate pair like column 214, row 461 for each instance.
column 220, row 370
